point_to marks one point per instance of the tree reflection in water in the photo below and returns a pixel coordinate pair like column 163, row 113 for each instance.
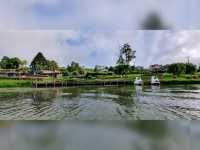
column 42, row 99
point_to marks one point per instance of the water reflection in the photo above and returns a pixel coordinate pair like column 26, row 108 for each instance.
column 98, row 135
column 102, row 103
column 155, row 88
column 138, row 90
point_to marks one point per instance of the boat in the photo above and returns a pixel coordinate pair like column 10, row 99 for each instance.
column 155, row 80
column 138, row 81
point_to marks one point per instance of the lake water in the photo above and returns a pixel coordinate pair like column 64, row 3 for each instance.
column 102, row 103
column 99, row 135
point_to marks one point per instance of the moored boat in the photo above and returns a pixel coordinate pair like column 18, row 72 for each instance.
column 138, row 81
column 155, row 80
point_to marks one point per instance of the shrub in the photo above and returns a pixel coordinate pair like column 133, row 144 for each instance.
column 65, row 73
column 75, row 73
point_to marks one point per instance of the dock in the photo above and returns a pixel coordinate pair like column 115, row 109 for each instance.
column 81, row 83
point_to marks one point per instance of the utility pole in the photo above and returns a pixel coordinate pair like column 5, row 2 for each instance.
column 187, row 62
column 188, row 59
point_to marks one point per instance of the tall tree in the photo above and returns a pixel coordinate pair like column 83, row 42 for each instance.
column 125, row 57
column 38, row 63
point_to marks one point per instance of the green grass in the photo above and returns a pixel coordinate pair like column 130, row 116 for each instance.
column 7, row 83
column 165, row 79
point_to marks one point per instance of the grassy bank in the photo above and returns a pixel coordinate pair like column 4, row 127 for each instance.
column 101, row 80
column 9, row 83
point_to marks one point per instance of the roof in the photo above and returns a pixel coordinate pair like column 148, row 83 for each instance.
column 49, row 71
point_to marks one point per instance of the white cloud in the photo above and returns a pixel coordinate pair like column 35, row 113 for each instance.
column 175, row 46
column 98, row 47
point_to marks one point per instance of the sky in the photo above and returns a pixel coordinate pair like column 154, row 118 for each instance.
column 90, row 32
column 91, row 48
column 96, row 15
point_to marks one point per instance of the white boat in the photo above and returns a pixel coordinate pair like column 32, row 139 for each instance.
column 138, row 81
column 155, row 81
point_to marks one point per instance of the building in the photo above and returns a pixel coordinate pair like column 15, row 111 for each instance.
column 49, row 73
column 12, row 73
column 156, row 68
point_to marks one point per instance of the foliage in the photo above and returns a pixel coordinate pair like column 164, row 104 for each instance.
column 122, row 69
column 111, row 69
column 75, row 67
column 75, row 73
column 11, row 63
column 65, row 72
column 125, row 57
column 180, row 68
column 51, row 65
column 176, row 68
column 38, row 63
column 190, row 68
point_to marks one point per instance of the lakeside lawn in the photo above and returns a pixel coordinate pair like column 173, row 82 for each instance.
column 164, row 78
column 8, row 83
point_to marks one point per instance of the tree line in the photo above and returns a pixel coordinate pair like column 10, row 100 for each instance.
column 123, row 65
column 181, row 68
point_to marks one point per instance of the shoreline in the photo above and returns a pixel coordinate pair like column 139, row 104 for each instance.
column 81, row 83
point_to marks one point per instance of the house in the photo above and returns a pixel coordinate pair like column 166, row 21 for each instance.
column 156, row 68
column 12, row 73
column 49, row 73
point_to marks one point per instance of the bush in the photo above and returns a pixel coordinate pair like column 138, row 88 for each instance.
column 65, row 73
column 188, row 77
column 195, row 77
column 81, row 71
column 75, row 73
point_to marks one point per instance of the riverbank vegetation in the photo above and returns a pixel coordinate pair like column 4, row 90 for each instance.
column 10, row 83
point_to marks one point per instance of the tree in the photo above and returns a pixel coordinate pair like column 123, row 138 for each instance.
column 125, row 57
column 176, row 68
column 38, row 63
column 96, row 68
column 10, row 63
column 52, row 65
column 190, row 68
column 15, row 63
column 75, row 67
column 120, row 69
column 5, row 62
column 23, row 64
column 111, row 69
